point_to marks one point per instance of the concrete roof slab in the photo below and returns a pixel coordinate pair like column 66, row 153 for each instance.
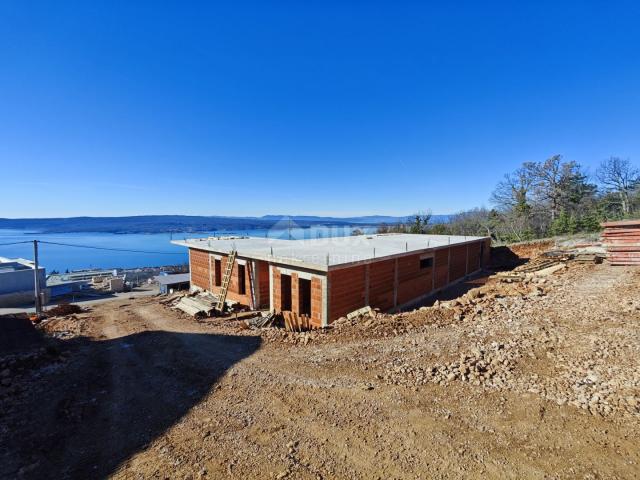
column 325, row 253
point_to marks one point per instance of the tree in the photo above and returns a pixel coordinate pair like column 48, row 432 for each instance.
column 383, row 228
column 619, row 177
column 560, row 186
column 548, row 177
column 560, row 224
column 478, row 221
column 512, row 193
column 420, row 222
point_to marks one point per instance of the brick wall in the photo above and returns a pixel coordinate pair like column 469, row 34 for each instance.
column 295, row 299
column 473, row 259
column 199, row 266
column 413, row 281
column 486, row 254
column 277, row 298
column 316, row 295
column 346, row 290
column 441, row 262
column 458, row 262
column 263, row 283
column 381, row 278
column 203, row 277
column 316, row 301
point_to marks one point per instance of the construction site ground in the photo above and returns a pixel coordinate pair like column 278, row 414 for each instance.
column 537, row 378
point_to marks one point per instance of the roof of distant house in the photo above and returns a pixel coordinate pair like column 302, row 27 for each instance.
column 16, row 264
column 173, row 279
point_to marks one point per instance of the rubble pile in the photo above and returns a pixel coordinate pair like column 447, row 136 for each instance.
column 489, row 366
column 562, row 360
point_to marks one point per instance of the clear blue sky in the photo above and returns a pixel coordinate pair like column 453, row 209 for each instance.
column 341, row 108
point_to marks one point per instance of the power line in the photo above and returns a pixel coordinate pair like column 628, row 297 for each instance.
column 108, row 248
column 15, row 243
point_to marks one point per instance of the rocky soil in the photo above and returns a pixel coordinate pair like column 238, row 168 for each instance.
column 528, row 379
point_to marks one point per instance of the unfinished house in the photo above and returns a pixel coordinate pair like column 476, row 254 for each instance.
column 330, row 277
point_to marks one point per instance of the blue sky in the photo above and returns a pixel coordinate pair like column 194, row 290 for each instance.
column 338, row 108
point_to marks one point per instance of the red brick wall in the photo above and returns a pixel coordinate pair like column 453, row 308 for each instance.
column 473, row 260
column 316, row 301
column 200, row 276
column 199, row 266
column 277, row 298
column 381, row 278
column 295, row 300
column 316, row 295
column 487, row 253
column 263, row 283
column 346, row 290
column 458, row 262
column 441, row 263
column 413, row 281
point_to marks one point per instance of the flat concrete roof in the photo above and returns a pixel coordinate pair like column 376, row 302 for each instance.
column 8, row 265
column 325, row 253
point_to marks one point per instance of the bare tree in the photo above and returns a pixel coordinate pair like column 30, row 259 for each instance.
column 619, row 177
column 512, row 193
column 478, row 221
column 559, row 186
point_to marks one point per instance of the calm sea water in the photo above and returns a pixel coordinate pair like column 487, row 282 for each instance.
column 61, row 258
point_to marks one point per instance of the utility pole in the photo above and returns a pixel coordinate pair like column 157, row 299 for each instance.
column 36, row 278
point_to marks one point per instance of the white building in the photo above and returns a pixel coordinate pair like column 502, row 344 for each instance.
column 17, row 281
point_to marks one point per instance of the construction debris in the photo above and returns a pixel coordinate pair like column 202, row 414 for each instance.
column 588, row 258
column 622, row 242
column 361, row 312
column 64, row 309
column 264, row 321
column 198, row 306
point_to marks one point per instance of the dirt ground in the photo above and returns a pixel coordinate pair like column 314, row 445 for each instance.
column 536, row 379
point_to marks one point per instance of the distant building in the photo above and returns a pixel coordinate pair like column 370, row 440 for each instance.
column 179, row 281
column 90, row 274
column 58, row 285
column 17, row 282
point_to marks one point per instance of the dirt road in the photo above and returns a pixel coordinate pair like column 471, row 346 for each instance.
column 141, row 392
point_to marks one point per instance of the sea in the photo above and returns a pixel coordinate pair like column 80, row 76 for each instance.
column 145, row 250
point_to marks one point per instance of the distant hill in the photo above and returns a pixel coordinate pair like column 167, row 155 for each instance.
column 368, row 219
column 185, row 223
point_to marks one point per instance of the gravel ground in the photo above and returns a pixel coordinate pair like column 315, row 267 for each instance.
column 532, row 379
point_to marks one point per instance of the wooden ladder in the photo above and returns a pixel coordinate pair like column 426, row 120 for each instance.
column 252, row 285
column 226, row 279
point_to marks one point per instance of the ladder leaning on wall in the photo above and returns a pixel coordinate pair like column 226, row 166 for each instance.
column 226, row 279
column 252, row 298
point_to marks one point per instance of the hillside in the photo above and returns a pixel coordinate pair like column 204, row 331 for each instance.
column 184, row 223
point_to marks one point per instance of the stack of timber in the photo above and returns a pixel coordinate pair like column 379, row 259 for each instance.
column 622, row 242
column 588, row 257
column 543, row 265
column 296, row 323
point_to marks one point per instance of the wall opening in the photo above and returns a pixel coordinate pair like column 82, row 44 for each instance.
column 285, row 292
column 217, row 268
column 426, row 262
column 304, row 296
column 242, row 284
